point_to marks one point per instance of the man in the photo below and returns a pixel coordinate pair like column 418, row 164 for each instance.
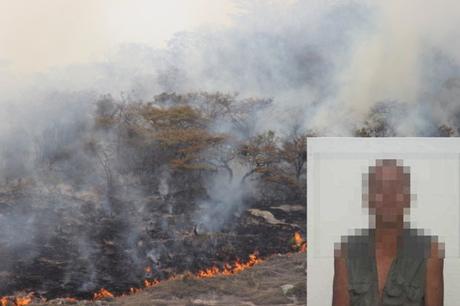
column 388, row 264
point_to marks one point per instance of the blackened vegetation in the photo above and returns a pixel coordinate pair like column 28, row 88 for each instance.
column 92, row 204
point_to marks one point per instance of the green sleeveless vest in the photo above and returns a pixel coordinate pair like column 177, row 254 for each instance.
column 405, row 284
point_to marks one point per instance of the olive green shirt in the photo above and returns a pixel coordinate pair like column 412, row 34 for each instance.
column 405, row 284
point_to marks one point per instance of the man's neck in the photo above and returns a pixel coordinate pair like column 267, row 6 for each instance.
column 387, row 237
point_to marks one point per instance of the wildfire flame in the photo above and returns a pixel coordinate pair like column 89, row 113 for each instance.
column 150, row 283
column 228, row 269
column 299, row 244
column 22, row 301
column 17, row 301
column 102, row 294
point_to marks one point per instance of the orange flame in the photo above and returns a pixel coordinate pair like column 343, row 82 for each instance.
column 228, row 269
column 4, row 301
column 102, row 294
column 22, row 301
column 210, row 272
column 17, row 301
column 299, row 244
column 150, row 283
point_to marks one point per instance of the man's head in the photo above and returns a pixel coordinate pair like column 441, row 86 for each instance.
column 388, row 190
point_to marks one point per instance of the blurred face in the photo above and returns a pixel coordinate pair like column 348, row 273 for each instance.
column 389, row 192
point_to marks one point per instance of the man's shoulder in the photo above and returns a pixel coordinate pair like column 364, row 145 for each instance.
column 420, row 241
column 356, row 244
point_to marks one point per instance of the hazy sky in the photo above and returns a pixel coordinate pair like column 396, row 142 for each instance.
column 326, row 61
column 39, row 34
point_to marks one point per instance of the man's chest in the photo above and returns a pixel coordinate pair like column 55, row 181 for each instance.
column 383, row 264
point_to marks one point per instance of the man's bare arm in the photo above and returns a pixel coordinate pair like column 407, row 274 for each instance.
column 340, row 295
column 434, row 291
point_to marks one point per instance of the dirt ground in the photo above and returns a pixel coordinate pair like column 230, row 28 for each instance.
column 278, row 280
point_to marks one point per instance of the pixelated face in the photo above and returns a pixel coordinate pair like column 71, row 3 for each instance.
column 389, row 191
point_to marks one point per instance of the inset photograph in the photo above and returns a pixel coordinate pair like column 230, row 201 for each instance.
column 383, row 226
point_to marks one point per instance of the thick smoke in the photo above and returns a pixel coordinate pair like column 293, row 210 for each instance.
column 311, row 57
column 408, row 55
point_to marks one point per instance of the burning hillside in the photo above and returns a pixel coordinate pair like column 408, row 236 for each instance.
column 278, row 280
column 144, row 192
column 228, row 269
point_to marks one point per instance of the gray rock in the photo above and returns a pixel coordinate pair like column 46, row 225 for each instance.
column 287, row 288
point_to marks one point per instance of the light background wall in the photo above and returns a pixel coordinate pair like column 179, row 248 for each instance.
column 335, row 168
